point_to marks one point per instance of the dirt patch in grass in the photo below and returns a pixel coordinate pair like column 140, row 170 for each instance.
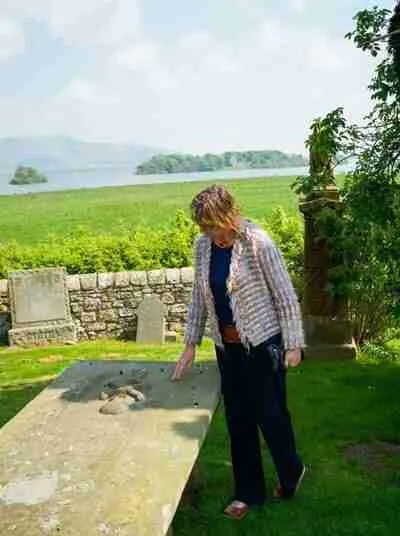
column 375, row 457
column 56, row 358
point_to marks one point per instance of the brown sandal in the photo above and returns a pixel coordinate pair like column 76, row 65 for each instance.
column 280, row 493
column 236, row 510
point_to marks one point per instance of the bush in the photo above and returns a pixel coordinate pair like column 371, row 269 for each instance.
column 380, row 353
column 361, row 275
column 85, row 252
column 140, row 249
column 287, row 232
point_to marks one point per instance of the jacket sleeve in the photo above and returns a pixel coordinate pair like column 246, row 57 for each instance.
column 283, row 293
column 197, row 312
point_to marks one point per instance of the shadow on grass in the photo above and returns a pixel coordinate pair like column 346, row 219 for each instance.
column 14, row 397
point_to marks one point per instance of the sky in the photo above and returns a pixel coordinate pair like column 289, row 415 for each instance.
column 187, row 75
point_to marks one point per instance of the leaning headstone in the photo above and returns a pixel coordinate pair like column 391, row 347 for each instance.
column 151, row 321
column 40, row 310
column 69, row 465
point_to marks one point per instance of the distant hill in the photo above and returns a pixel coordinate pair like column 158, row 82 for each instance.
column 64, row 153
column 187, row 163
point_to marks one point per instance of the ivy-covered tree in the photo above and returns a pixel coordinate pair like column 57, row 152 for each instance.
column 372, row 191
column 368, row 230
column 330, row 137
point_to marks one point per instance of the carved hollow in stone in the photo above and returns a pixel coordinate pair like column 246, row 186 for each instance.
column 121, row 393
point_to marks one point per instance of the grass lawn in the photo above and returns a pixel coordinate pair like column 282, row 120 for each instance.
column 30, row 218
column 333, row 405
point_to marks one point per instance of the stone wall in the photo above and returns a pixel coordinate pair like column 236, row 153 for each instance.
column 105, row 304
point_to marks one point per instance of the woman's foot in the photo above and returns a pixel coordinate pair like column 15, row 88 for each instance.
column 281, row 493
column 237, row 510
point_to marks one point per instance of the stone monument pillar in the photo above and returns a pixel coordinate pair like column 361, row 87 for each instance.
column 327, row 328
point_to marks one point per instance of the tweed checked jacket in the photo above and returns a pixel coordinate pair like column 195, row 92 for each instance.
column 261, row 294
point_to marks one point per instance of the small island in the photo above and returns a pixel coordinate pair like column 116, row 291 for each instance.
column 187, row 163
column 27, row 175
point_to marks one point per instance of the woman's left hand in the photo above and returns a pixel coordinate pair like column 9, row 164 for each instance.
column 292, row 357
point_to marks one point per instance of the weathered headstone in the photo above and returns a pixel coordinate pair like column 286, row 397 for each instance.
column 68, row 468
column 151, row 321
column 40, row 310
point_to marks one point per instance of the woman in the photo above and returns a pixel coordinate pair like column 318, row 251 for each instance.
column 242, row 286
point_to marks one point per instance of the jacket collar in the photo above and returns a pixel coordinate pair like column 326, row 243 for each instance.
column 244, row 227
column 244, row 233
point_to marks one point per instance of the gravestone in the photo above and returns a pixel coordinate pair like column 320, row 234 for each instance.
column 69, row 468
column 40, row 311
column 151, row 321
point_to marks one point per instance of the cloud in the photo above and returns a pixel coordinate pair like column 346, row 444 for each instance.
column 203, row 53
column 92, row 22
column 124, row 22
column 137, row 56
column 205, row 93
column 326, row 54
column 202, row 88
column 12, row 41
column 196, row 43
column 306, row 49
column 298, row 6
column 270, row 37
column 82, row 91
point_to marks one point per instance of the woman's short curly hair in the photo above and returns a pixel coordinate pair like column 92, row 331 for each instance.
column 215, row 207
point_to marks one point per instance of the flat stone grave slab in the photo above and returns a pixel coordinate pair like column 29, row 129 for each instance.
column 106, row 449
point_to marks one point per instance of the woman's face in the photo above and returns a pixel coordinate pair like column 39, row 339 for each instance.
column 223, row 238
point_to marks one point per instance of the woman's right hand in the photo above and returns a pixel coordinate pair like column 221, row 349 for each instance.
column 184, row 362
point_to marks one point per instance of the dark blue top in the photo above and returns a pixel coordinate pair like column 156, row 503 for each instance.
column 219, row 270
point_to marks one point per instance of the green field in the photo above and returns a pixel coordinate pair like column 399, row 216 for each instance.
column 334, row 406
column 30, row 218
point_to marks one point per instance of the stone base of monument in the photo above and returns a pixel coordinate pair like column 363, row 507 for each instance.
column 109, row 448
column 64, row 332
column 328, row 338
column 331, row 351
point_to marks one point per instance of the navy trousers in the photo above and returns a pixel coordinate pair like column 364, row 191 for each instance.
column 254, row 394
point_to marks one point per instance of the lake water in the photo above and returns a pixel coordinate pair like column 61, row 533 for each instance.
column 96, row 178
